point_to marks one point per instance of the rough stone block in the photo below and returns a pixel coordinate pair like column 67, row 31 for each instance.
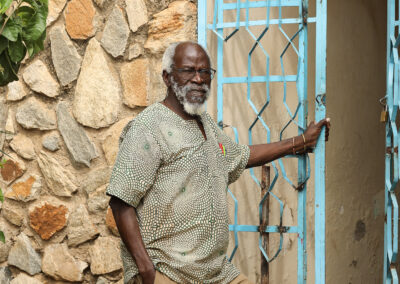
column 59, row 179
column 66, row 59
column 97, row 95
column 15, row 91
column 59, row 263
column 23, row 256
column 48, row 219
column 33, row 114
column 82, row 150
column 116, row 33
column 110, row 142
column 25, row 189
column 12, row 169
column 110, row 222
column 51, row 142
column 176, row 23
column 23, row 146
column 105, row 255
column 137, row 13
column 79, row 19
column 38, row 78
column 55, row 8
column 80, row 228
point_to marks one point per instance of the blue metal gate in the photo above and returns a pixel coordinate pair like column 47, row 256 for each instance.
column 220, row 29
column 391, row 104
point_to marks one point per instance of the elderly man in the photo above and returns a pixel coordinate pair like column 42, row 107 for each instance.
column 169, row 181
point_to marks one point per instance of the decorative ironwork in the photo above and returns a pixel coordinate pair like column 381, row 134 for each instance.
column 298, row 117
column 392, row 142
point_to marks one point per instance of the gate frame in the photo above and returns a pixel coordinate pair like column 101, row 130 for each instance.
column 320, row 113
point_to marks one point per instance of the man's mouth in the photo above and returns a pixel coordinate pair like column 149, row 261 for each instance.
column 198, row 91
column 198, row 95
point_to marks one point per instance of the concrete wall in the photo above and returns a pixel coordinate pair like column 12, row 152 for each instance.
column 355, row 169
column 355, row 155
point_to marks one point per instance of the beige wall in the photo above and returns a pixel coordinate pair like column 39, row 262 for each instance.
column 355, row 155
column 355, row 170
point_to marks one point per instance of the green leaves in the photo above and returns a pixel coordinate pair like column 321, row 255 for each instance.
column 25, row 14
column 3, row 43
column 17, row 51
column 35, row 25
column 2, row 237
column 12, row 30
column 23, row 30
column 1, row 196
column 4, row 5
column 35, row 46
column 8, row 69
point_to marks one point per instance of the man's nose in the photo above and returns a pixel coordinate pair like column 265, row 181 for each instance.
column 197, row 78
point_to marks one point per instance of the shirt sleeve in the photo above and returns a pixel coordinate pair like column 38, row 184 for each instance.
column 236, row 156
column 136, row 165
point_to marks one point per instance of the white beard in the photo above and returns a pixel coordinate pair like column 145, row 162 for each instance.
column 181, row 94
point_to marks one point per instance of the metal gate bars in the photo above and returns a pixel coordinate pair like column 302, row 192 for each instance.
column 298, row 117
column 391, row 103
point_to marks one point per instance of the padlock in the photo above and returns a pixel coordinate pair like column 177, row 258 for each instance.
column 384, row 116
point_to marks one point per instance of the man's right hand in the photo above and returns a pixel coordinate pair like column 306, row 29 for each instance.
column 128, row 227
column 148, row 276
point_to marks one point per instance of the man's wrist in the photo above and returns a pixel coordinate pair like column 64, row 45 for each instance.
column 145, row 267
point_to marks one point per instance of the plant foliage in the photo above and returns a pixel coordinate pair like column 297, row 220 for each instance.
column 23, row 30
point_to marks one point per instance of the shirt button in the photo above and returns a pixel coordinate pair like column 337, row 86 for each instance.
column 183, row 189
column 169, row 133
column 221, row 252
column 183, row 253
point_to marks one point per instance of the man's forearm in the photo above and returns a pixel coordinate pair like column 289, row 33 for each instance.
column 128, row 227
column 264, row 153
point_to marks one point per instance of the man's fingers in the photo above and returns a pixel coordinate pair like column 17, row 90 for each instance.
column 328, row 123
column 324, row 122
column 328, row 126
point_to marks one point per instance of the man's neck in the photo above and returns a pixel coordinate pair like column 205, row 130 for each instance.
column 173, row 104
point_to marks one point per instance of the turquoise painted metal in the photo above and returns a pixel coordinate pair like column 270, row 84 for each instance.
column 298, row 117
column 391, row 105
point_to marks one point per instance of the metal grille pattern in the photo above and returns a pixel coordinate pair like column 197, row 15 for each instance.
column 392, row 142
column 297, row 117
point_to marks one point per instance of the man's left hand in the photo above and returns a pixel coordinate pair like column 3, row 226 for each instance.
column 313, row 131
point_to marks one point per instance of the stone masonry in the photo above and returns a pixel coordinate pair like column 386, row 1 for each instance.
column 100, row 67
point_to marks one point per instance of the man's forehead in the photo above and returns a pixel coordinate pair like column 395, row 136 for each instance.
column 190, row 53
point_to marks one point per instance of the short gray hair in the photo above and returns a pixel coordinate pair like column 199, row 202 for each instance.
column 169, row 53
column 168, row 57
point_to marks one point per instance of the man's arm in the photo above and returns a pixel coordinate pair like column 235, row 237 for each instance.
column 265, row 153
column 128, row 227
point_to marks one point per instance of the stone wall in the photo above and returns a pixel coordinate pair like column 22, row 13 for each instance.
column 100, row 66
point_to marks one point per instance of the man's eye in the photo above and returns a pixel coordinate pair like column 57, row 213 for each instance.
column 205, row 71
column 188, row 70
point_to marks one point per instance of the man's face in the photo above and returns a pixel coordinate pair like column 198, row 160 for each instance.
column 189, row 78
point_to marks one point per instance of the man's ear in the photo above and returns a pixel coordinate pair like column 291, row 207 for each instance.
column 165, row 76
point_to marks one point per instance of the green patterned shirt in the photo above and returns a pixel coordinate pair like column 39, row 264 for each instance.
column 177, row 181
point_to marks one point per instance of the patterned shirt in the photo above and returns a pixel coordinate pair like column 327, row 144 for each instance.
column 177, row 181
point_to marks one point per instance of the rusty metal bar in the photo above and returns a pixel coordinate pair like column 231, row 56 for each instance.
column 265, row 183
